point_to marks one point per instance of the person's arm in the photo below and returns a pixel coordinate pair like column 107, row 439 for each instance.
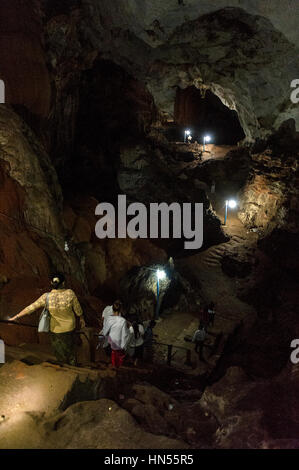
column 39, row 303
column 103, row 313
column 78, row 311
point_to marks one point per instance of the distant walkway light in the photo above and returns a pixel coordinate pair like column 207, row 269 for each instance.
column 206, row 138
column 160, row 276
column 187, row 132
column 230, row 203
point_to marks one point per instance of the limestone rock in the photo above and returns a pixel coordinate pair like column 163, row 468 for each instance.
column 103, row 424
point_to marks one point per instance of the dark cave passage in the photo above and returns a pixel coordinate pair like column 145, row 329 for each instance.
column 114, row 110
column 204, row 115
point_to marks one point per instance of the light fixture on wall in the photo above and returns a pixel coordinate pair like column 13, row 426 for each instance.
column 229, row 203
column 160, row 276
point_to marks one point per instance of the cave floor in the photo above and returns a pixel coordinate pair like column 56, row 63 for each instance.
column 211, row 151
column 47, row 406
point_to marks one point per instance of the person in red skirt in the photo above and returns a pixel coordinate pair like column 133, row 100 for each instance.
column 117, row 332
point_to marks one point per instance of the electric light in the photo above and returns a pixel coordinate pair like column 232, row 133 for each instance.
column 160, row 274
column 206, row 139
column 229, row 203
column 187, row 132
column 232, row 204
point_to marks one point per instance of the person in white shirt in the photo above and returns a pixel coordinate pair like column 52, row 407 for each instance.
column 108, row 312
column 117, row 333
column 136, row 341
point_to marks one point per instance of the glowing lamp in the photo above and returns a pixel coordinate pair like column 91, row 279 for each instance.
column 232, row 204
column 187, row 132
column 161, row 274
column 206, row 138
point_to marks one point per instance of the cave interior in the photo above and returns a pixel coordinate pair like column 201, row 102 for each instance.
column 97, row 104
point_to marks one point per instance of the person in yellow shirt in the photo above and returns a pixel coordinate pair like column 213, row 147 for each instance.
column 63, row 305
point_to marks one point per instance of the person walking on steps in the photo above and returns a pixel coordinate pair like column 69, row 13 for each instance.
column 148, row 340
column 199, row 339
column 63, row 307
column 136, row 343
column 108, row 312
column 117, row 333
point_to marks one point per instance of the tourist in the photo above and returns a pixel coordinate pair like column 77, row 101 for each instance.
column 199, row 339
column 136, row 342
column 62, row 305
column 107, row 312
column 117, row 333
column 148, row 341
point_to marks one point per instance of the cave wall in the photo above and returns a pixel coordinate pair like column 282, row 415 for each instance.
column 36, row 217
column 243, row 80
column 156, row 20
column 23, row 65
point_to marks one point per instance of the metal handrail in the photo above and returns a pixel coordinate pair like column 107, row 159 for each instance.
column 170, row 355
column 170, row 347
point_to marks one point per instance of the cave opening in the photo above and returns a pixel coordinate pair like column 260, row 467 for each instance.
column 204, row 114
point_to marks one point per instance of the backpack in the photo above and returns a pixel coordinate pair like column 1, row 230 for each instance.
column 44, row 320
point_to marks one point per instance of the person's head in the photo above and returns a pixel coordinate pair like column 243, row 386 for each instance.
column 211, row 306
column 117, row 307
column 58, row 281
column 152, row 324
column 201, row 326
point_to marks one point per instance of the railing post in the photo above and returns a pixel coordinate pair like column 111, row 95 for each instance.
column 169, row 354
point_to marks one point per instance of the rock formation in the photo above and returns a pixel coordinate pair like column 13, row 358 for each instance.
column 96, row 97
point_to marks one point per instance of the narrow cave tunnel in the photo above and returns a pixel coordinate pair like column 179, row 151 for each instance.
column 203, row 333
column 204, row 115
